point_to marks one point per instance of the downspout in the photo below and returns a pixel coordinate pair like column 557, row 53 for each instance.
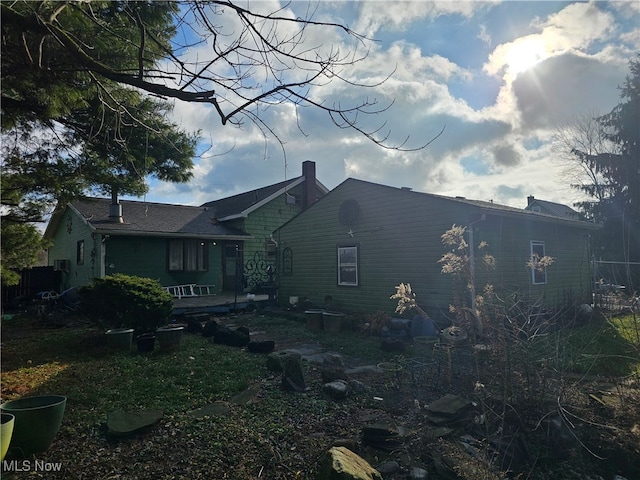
column 103, row 256
column 472, row 274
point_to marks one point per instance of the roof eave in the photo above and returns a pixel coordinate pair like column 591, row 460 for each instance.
column 138, row 233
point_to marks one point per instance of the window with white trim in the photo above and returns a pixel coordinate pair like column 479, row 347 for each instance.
column 348, row 266
column 538, row 270
column 188, row 255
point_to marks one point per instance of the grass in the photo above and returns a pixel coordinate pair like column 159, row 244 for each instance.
column 609, row 347
column 277, row 434
column 77, row 363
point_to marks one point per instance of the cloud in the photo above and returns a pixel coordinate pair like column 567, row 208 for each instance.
column 484, row 36
column 496, row 151
column 505, row 154
column 553, row 91
column 397, row 15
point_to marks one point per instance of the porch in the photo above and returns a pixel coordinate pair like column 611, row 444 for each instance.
column 222, row 303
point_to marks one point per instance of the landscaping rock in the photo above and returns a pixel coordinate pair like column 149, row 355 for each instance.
column 418, row 473
column 423, row 326
column 195, row 322
column 217, row 409
column 453, row 462
column 210, row 328
column 341, row 463
column 388, row 468
column 448, row 410
column 232, row 338
column 338, row 389
column 276, row 360
column 333, row 368
column 357, row 386
column 126, row 423
column 246, row 396
column 383, row 436
column 293, row 374
column 264, row 346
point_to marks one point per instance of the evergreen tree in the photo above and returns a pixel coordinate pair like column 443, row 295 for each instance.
column 617, row 196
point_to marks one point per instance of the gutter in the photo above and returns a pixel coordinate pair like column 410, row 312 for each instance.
column 146, row 233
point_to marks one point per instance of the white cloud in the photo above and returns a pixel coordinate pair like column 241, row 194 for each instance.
column 572, row 29
column 396, row 15
column 581, row 56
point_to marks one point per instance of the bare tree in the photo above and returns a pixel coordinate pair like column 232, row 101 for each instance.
column 583, row 135
column 239, row 60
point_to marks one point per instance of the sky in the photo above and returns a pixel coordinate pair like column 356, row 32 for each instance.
column 497, row 78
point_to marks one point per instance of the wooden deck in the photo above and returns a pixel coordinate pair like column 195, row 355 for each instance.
column 222, row 303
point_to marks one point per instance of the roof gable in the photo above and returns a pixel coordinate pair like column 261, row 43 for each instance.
column 243, row 204
column 552, row 208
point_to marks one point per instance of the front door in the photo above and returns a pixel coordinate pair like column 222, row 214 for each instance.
column 232, row 266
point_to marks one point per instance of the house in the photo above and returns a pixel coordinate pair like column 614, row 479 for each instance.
column 551, row 208
column 362, row 239
column 176, row 244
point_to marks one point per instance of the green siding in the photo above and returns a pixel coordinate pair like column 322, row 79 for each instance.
column 73, row 229
column 568, row 278
column 147, row 257
column 262, row 223
column 132, row 255
column 399, row 238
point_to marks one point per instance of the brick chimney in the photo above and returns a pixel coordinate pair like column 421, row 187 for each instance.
column 309, row 184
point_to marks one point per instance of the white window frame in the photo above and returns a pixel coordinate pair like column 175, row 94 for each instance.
column 348, row 263
column 538, row 276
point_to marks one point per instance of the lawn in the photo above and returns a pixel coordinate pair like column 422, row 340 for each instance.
column 265, row 432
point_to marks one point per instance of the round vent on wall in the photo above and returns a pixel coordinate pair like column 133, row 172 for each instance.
column 349, row 212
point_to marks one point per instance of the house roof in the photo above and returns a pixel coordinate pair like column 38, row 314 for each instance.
column 557, row 209
column 505, row 210
column 243, row 204
column 484, row 207
column 149, row 219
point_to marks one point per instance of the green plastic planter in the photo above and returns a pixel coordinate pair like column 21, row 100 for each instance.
column 6, row 429
column 120, row 338
column 169, row 337
column 37, row 421
column 332, row 321
column 313, row 319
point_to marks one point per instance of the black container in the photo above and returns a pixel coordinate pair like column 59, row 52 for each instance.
column 146, row 342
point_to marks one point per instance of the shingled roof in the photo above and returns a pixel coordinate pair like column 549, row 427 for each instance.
column 150, row 219
column 243, row 204
column 551, row 208
column 238, row 205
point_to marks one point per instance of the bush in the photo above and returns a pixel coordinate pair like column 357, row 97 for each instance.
column 126, row 301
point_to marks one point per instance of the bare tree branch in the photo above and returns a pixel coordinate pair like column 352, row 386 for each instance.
column 216, row 55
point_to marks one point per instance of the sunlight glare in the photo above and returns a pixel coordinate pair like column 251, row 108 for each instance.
column 525, row 54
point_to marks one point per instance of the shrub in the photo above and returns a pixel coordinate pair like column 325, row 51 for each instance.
column 127, row 301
